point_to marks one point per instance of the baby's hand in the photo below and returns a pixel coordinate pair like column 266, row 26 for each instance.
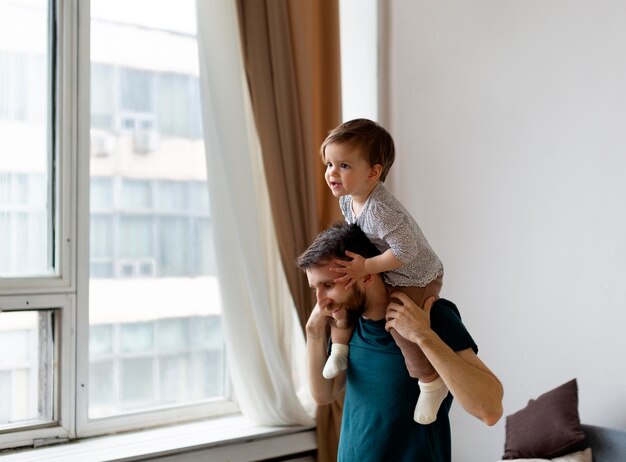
column 352, row 270
column 318, row 320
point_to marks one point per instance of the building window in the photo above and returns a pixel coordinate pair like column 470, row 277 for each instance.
column 158, row 363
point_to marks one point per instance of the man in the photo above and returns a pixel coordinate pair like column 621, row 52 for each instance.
column 377, row 423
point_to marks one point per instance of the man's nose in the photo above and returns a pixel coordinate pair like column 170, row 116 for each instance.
column 321, row 295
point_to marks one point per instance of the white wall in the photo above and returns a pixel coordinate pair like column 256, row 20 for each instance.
column 510, row 124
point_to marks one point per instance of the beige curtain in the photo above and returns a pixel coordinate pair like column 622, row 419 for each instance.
column 291, row 55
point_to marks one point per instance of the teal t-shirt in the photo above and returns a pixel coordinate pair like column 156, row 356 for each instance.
column 377, row 423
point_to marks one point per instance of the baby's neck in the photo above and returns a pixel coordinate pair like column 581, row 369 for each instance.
column 359, row 200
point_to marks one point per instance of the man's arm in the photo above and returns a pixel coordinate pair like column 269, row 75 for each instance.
column 324, row 391
column 469, row 380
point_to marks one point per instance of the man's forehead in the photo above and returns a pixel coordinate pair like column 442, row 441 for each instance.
column 319, row 269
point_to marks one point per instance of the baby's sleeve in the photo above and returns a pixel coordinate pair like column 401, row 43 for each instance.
column 345, row 206
column 393, row 227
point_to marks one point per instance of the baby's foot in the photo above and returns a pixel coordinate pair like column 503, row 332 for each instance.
column 337, row 361
column 431, row 396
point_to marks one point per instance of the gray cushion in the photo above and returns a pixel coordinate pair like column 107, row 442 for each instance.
column 607, row 444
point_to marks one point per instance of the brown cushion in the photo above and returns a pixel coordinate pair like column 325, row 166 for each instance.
column 547, row 427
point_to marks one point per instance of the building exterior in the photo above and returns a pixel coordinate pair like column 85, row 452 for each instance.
column 154, row 307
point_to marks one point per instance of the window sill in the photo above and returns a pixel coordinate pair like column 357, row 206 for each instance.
column 230, row 438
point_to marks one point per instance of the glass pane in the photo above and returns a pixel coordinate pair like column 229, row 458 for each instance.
column 102, row 100
column 135, row 238
column 173, row 111
column 173, row 377
column 172, row 334
column 24, row 150
column 100, row 340
column 137, row 381
column 204, row 254
column 174, row 258
column 136, row 194
column 172, row 195
column 154, row 295
column 101, row 385
column 26, row 368
column 136, row 337
column 100, row 246
column 199, row 197
column 136, row 88
column 206, row 376
column 101, row 193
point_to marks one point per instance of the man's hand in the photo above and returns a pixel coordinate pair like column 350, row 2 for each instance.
column 352, row 270
column 408, row 319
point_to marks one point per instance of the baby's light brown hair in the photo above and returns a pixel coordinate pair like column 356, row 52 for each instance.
column 374, row 143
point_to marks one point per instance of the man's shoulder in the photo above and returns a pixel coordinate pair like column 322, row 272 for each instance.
column 444, row 306
column 445, row 320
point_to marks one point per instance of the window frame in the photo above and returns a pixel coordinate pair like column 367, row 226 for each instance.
column 63, row 427
column 67, row 289
column 61, row 153
column 86, row 426
column 58, row 290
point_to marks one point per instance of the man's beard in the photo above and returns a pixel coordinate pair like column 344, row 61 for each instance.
column 354, row 306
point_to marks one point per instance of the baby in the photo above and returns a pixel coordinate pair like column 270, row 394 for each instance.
column 358, row 155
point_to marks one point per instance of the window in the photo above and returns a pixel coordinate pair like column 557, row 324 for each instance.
column 26, row 204
column 27, row 352
column 34, row 343
column 110, row 314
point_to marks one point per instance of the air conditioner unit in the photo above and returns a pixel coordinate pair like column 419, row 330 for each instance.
column 102, row 143
column 142, row 268
column 145, row 140
column 146, row 268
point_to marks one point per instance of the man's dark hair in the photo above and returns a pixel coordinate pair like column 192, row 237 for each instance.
column 333, row 243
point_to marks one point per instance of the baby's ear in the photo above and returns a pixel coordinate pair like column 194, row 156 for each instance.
column 375, row 172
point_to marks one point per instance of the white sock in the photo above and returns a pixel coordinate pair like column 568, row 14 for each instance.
column 431, row 396
column 337, row 361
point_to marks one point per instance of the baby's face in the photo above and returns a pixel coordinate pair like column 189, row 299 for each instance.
column 347, row 171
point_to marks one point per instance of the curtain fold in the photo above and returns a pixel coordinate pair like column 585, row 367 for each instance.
column 260, row 326
column 284, row 70
column 291, row 54
column 315, row 34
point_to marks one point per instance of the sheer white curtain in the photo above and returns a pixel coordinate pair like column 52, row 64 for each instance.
column 265, row 345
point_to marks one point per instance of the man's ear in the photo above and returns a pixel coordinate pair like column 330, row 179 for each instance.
column 375, row 171
column 367, row 280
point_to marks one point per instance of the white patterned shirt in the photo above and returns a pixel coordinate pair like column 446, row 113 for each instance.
column 389, row 226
